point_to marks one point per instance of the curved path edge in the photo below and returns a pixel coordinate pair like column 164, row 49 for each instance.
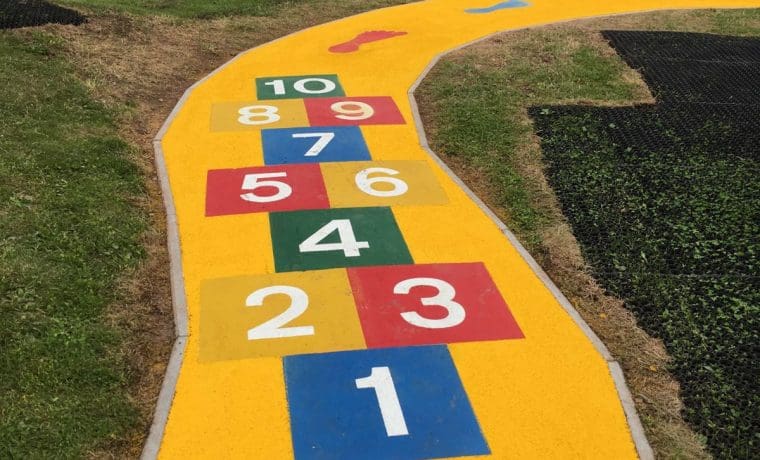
column 179, row 302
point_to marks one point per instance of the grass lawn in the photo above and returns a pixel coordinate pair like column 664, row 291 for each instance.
column 474, row 105
column 69, row 231
column 185, row 8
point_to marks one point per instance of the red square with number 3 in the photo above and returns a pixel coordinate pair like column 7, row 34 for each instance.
column 265, row 189
column 430, row 304
column 351, row 111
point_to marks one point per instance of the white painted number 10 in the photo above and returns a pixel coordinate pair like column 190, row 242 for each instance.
column 325, row 86
column 381, row 381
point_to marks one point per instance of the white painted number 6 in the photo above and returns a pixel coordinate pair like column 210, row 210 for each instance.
column 252, row 182
column 273, row 329
column 364, row 182
column 445, row 298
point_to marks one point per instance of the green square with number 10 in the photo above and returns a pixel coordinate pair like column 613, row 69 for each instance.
column 334, row 238
column 298, row 87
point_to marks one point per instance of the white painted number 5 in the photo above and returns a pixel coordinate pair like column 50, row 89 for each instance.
column 273, row 329
column 445, row 298
column 253, row 182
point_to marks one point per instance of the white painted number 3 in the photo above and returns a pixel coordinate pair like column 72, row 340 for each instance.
column 445, row 298
column 273, row 329
column 390, row 408
column 348, row 243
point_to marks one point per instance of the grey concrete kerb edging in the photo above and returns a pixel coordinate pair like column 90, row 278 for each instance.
column 179, row 301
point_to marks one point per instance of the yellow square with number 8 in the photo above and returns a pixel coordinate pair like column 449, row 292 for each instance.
column 256, row 115
column 278, row 315
column 381, row 183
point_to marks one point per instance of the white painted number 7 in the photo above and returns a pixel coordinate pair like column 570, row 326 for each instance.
column 390, row 408
column 316, row 149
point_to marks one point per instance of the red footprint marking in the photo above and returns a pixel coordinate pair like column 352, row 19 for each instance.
column 364, row 37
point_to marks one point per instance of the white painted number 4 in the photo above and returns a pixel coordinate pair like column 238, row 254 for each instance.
column 390, row 408
column 348, row 243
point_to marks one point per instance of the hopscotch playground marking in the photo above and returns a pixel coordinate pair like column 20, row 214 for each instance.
column 338, row 292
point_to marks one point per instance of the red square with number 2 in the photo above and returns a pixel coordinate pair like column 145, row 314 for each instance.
column 265, row 189
column 353, row 111
column 430, row 304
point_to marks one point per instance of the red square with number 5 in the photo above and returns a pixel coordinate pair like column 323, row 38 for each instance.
column 351, row 111
column 265, row 189
column 430, row 304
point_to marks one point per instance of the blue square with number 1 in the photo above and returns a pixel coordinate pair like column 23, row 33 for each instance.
column 400, row 403
column 314, row 145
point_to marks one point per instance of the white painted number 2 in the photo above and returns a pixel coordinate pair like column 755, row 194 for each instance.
column 348, row 243
column 325, row 86
column 258, row 115
column 445, row 298
column 323, row 139
column 352, row 110
column 273, row 329
column 365, row 183
column 381, row 381
column 253, row 182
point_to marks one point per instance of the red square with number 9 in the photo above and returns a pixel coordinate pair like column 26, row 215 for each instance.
column 430, row 304
column 352, row 111
column 265, row 189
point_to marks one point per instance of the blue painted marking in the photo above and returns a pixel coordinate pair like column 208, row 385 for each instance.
column 332, row 419
column 291, row 145
column 498, row 6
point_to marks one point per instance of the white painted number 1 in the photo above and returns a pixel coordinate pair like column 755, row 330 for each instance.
column 324, row 139
column 390, row 408
column 455, row 313
column 348, row 243
column 273, row 329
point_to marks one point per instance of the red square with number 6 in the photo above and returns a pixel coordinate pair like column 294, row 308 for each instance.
column 265, row 189
column 352, row 111
column 430, row 304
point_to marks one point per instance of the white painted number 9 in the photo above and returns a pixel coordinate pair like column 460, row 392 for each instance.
column 252, row 182
column 445, row 298
column 273, row 329
column 258, row 115
column 352, row 110
column 364, row 182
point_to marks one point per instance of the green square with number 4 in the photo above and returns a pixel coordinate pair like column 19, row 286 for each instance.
column 333, row 238
column 298, row 87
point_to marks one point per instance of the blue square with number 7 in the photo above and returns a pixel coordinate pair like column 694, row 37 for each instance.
column 314, row 145
column 401, row 403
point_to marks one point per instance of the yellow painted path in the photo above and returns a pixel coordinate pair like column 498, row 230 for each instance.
column 528, row 379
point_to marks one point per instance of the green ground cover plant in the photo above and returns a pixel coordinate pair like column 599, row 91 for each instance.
column 68, row 230
column 185, row 8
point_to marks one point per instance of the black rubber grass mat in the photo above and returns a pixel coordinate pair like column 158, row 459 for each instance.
column 695, row 68
column 664, row 201
column 26, row 13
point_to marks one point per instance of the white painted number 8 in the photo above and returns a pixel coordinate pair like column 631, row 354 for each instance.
column 258, row 115
column 352, row 110
column 445, row 298
column 364, row 182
